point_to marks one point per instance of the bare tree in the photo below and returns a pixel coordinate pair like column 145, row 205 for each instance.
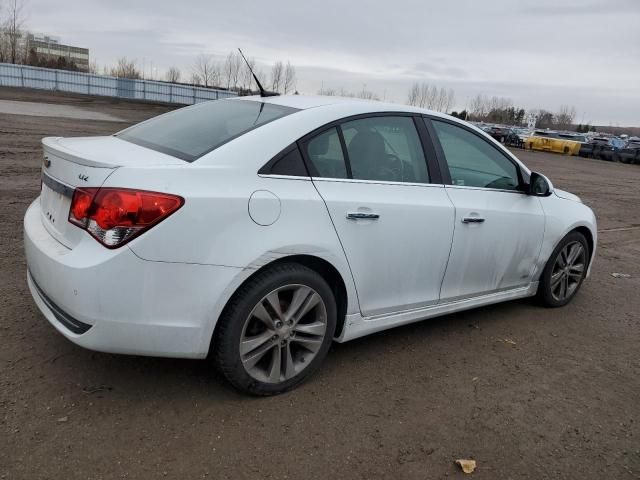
column 364, row 93
column 125, row 68
column 478, row 107
column 329, row 92
column 12, row 31
column 93, row 67
column 413, row 98
column 227, row 71
column 195, row 79
column 276, row 76
column 451, row 95
column 367, row 95
column 205, row 68
column 441, row 100
column 289, row 82
column 431, row 97
column 232, row 70
column 238, row 65
column 564, row 117
column 173, row 75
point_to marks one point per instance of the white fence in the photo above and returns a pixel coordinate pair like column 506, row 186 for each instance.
column 90, row 84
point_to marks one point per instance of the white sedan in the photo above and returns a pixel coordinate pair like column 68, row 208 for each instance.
column 259, row 230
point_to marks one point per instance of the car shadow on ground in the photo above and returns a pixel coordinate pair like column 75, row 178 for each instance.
column 134, row 377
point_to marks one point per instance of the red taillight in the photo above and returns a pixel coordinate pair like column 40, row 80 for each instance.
column 113, row 216
column 80, row 204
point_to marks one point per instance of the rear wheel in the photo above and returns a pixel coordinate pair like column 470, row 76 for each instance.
column 565, row 271
column 276, row 330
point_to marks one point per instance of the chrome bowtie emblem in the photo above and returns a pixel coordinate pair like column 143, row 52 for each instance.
column 47, row 162
column 82, row 177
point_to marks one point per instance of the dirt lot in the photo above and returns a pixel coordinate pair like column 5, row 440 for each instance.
column 527, row 392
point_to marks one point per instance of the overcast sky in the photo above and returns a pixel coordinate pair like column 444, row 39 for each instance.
column 539, row 53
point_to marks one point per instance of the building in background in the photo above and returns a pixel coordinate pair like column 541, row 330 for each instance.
column 49, row 50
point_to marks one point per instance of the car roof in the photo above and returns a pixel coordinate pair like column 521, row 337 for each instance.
column 313, row 112
column 305, row 102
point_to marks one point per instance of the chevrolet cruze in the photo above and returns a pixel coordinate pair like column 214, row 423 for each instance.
column 258, row 230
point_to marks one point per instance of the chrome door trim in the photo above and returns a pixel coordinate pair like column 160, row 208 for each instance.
column 485, row 189
column 377, row 182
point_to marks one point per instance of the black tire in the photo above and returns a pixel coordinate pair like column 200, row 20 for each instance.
column 229, row 330
column 545, row 294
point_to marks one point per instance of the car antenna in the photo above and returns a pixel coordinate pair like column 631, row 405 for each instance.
column 263, row 92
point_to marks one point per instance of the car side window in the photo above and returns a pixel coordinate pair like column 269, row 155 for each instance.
column 385, row 148
column 289, row 162
column 473, row 161
column 325, row 154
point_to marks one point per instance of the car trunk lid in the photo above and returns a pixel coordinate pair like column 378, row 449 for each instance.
column 69, row 163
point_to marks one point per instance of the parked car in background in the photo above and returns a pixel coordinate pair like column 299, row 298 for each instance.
column 258, row 230
column 501, row 134
column 523, row 133
column 551, row 141
column 586, row 149
column 605, row 148
column 630, row 153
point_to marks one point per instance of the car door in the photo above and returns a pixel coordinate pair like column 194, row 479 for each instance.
column 395, row 225
column 498, row 228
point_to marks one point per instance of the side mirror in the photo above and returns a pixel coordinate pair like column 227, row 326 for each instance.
column 539, row 185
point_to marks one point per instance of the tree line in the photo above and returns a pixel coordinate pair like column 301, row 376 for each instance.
column 342, row 92
column 494, row 109
column 431, row 97
column 232, row 73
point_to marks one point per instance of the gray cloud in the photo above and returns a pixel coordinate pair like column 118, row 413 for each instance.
column 540, row 53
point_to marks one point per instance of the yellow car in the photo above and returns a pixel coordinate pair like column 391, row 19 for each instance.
column 552, row 142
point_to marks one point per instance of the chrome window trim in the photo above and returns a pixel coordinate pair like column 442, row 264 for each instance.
column 486, row 189
column 283, row 177
column 377, row 182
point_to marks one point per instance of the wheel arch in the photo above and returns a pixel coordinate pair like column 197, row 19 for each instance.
column 588, row 235
column 321, row 266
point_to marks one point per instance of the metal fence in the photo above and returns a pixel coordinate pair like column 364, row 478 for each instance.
column 90, row 84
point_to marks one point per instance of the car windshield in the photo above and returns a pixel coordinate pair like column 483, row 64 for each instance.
column 189, row 133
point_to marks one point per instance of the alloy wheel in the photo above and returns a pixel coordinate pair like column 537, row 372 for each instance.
column 568, row 270
column 283, row 333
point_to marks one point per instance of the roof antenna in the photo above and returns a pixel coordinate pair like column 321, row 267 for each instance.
column 263, row 92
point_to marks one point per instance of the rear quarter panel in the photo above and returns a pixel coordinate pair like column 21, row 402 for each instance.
column 214, row 226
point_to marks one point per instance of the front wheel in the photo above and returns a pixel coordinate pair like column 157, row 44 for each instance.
column 276, row 330
column 563, row 275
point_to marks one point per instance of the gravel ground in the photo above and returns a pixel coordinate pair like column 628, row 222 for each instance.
column 527, row 392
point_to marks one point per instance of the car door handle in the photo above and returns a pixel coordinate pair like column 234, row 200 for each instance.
column 472, row 220
column 362, row 216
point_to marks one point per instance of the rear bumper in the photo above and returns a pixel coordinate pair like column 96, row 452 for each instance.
column 113, row 301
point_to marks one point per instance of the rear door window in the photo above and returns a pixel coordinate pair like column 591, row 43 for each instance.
column 385, row 148
column 191, row 132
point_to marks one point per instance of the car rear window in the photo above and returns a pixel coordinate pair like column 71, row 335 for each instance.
column 189, row 133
